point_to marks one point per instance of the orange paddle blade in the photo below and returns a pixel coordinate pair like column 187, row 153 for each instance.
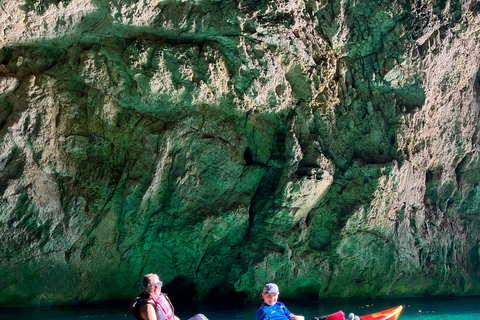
column 390, row 314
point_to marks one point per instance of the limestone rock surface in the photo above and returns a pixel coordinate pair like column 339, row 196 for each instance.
column 330, row 146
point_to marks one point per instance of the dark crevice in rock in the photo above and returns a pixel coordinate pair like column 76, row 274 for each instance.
column 309, row 172
column 460, row 169
column 439, row 6
column 442, row 195
column 226, row 294
column 87, row 247
column 308, row 168
column 247, row 156
column 253, row 5
column 36, row 59
column 261, row 203
column 6, row 55
column 477, row 84
column 410, row 98
column 262, row 197
column 13, row 167
column 182, row 288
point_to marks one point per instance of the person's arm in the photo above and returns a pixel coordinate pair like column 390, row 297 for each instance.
column 261, row 315
column 290, row 315
column 149, row 312
column 177, row 318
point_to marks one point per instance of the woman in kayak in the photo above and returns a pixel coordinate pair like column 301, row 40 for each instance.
column 157, row 306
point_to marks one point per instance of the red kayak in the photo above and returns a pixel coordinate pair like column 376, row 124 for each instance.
column 390, row 314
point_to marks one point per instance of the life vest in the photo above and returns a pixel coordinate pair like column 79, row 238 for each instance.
column 163, row 307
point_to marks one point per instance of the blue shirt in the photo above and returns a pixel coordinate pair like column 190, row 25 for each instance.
column 276, row 312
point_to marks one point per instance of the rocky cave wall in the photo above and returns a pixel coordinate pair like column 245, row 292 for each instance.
column 330, row 146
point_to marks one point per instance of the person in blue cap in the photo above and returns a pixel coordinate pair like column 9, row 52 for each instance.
column 271, row 308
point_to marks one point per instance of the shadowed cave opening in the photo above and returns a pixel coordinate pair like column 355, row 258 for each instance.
column 181, row 289
column 225, row 294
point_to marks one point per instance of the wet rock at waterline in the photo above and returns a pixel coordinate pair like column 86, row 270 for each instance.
column 328, row 146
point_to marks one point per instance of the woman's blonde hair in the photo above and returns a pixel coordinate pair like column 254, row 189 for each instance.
column 146, row 281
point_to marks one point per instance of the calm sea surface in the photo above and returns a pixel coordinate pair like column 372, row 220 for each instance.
column 445, row 309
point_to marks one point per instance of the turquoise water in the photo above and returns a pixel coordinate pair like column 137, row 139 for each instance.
column 451, row 309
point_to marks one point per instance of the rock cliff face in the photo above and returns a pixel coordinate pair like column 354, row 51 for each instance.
column 329, row 146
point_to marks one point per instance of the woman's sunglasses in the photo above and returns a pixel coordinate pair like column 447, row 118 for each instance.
column 155, row 284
